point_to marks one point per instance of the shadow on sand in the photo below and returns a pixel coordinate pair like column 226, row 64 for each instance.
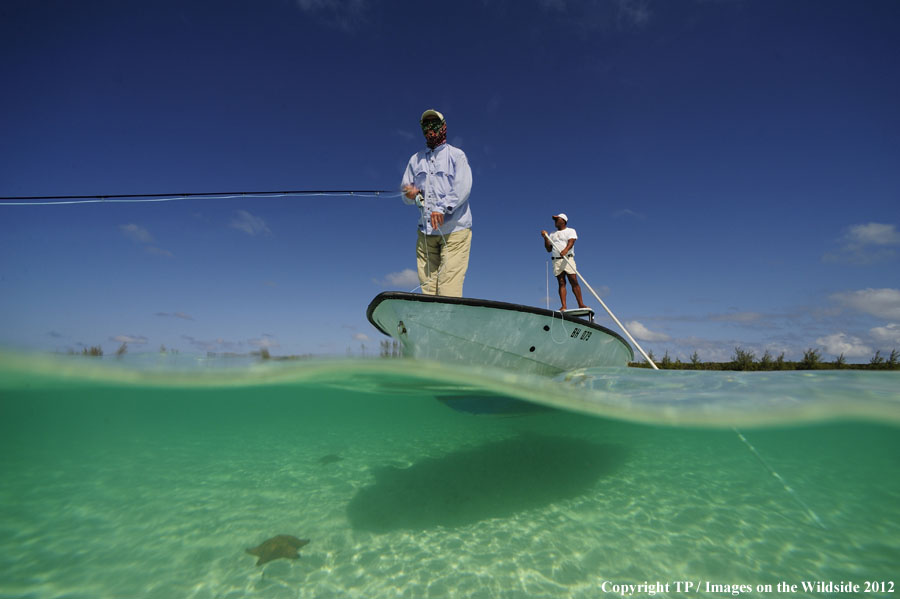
column 493, row 480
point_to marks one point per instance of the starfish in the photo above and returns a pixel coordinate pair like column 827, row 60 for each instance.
column 284, row 546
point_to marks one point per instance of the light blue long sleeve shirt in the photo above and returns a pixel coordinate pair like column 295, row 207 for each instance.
column 445, row 179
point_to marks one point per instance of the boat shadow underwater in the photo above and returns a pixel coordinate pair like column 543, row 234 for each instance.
column 494, row 480
column 490, row 404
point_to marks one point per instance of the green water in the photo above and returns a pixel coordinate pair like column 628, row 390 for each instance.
column 129, row 480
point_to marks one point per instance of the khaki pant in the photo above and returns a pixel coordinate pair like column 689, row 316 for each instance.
column 562, row 266
column 442, row 262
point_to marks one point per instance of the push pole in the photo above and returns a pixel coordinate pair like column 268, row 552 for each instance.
column 608, row 311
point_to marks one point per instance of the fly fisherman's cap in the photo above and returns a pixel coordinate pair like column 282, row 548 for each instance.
column 561, row 215
column 431, row 113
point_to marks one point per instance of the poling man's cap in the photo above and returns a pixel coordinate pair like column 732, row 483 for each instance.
column 431, row 113
column 561, row 215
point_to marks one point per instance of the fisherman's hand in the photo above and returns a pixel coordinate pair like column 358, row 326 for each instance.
column 410, row 191
column 437, row 220
column 543, row 233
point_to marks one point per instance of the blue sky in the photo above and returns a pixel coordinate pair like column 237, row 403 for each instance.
column 731, row 167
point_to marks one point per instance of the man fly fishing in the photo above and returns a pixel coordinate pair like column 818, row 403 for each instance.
column 438, row 181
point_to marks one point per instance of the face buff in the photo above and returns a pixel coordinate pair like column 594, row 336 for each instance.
column 435, row 132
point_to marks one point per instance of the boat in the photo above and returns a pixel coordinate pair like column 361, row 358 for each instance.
column 497, row 334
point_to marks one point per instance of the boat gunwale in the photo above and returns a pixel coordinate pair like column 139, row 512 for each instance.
column 483, row 303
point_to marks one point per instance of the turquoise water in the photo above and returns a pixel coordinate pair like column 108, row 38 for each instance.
column 149, row 477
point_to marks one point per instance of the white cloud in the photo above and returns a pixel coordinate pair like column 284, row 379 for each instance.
column 361, row 337
column 133, row 339
column 874, row 234
column 643, row 333
column 883, row 303
column 841, row 343
column 139, row 234
column 866, row 243
column 136, row 233
column 250, row 224
column 889, row 334
column 404, row 279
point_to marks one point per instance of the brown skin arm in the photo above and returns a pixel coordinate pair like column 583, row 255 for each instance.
column 547, row 243
column 549, row 246
column 568, row 247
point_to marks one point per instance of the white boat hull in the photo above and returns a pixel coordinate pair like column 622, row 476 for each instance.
column 496, row 334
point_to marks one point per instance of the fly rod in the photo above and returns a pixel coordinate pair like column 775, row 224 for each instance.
column 136, row 198
column 783, row 482
column 194, row 194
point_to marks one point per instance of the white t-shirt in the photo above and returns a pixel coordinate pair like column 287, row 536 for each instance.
column 559, row 239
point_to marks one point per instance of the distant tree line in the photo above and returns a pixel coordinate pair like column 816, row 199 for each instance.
column 96, row 351
column 93, row 351
column 742, row 360
column 746, row 361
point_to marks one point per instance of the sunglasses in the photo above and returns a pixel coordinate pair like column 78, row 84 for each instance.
column 432, row 125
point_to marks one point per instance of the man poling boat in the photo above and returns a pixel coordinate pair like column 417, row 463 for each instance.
column 564, row 237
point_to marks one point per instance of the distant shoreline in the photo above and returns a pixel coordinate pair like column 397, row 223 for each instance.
column 741, row 361
column 744, row 361
column 788, row 366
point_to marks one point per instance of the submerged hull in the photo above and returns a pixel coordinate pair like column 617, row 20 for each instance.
column 497, row 334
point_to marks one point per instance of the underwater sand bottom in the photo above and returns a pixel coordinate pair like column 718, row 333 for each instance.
column 537, row 506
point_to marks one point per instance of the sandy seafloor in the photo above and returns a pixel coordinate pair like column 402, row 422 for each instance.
column 119, row 482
